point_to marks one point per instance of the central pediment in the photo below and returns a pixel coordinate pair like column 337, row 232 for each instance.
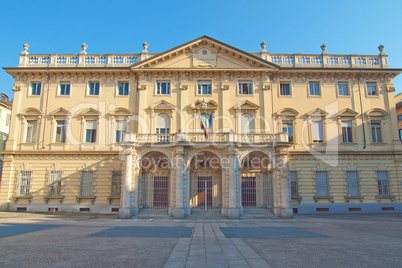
column 204, row 53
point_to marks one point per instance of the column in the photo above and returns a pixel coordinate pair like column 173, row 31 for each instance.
column 178, row 212
column 125, row 198
column 286, row 210
column 233, row 210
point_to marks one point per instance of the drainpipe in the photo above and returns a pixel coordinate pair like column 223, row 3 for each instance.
column 47, row 102
column 361, row 108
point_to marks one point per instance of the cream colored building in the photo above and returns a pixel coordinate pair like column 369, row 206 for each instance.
column 291, row 133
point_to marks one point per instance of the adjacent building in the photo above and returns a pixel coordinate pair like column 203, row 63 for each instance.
column 203, row 127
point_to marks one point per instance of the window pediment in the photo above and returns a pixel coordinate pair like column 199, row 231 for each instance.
column 162, row 105
column 376, row 112
column 31, row 112
column 61, row 112
column 90, row 112
column 317, row 113
column 121, row 112
column 347, row 113
column 204, row 105
column 246, row 106
column 287, row 112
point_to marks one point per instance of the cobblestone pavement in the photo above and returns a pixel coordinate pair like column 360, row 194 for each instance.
column 85, row 240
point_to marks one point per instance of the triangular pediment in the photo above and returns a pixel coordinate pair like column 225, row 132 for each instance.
column 347, row 113
column 162, row 105
column 246, row 105
column 204, row 53
column 317, row 112
column 90, row 112
column 204, row 105
column 60, row 112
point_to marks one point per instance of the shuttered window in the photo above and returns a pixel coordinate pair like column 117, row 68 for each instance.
column 353, row 183
column 322, row 183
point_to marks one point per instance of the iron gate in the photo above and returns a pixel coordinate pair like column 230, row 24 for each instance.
column 154, row 190
column 206, row 190
column 256, row 190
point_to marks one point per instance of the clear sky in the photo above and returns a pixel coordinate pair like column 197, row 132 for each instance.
column 121, row 26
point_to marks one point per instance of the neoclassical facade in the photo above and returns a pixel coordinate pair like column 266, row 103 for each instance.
column 288, row 133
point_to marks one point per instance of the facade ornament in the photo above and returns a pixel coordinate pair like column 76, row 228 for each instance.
column 391, row 89
column 142, row 86
column 183, row 86
column 381, row 48
column 266, row 86
column 84, row 48
column 323, row 47
column 145, row 46
column 204, row 103
column 263, row 45
column 224, row 86
column 26, row 47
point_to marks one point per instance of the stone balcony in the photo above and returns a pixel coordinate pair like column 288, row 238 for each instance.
column 218, row 139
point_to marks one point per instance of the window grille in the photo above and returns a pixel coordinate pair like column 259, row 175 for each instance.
column 24, row 182
column 383, row 186
column 322, row 183
column 116, row 183
column 294, row 189
column 353, row 183
column 86, row 183
column 54, row 182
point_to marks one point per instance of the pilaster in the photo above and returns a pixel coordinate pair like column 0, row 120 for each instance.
column 233, row 210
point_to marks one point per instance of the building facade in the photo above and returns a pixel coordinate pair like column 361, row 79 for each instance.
column 203, row 127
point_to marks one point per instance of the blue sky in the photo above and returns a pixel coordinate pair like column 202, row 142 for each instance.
column 121, row 26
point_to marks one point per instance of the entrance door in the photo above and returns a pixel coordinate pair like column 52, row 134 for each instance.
column 205, row 192
column 256, row 190
column 154, row 190
column 248, row 191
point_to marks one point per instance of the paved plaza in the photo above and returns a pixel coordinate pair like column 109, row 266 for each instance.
column 85, row 240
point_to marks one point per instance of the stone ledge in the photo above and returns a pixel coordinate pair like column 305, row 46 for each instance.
column 79, row 198
column 380, row 197
column 330, row 198
column 348, row 198
column 59, row 197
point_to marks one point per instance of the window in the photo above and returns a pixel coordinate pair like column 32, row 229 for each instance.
column 376, row 131
column 116, row 183
column 8, row 119
column 65, row 89
column 287, row 126
column 347, row 131
column 162, row 124
column 400, row 117
column 31, row 131
column 245, row 88
column 294, row 191
column 322, row 183
column 91, row 131
column 54, row 182
column 247, row 124
column 314, row 89
column 285, row 89
column 24, row 183
column 36, row 88
column 3, row 98
column 61, row 132
column 94, row 88
column 86, row 183
column 353, row 183
column 371, row 89
column 163, row 88
column 204, row 87
column 120, row 130
column 343, row 89
column 383, row 186
column 317, row 131
column 400, row 134
column 123, row 89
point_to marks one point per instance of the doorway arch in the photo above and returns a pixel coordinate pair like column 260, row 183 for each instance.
column 205, row 182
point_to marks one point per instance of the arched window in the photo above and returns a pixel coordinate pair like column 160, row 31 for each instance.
column 247, row 124
column 162, row 124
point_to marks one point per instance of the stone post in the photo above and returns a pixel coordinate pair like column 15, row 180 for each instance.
column 178, row 212
column 233, row 210
column 126, row 184
column 286, row 210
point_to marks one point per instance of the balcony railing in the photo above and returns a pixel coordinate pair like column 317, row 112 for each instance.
column 199, row 138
